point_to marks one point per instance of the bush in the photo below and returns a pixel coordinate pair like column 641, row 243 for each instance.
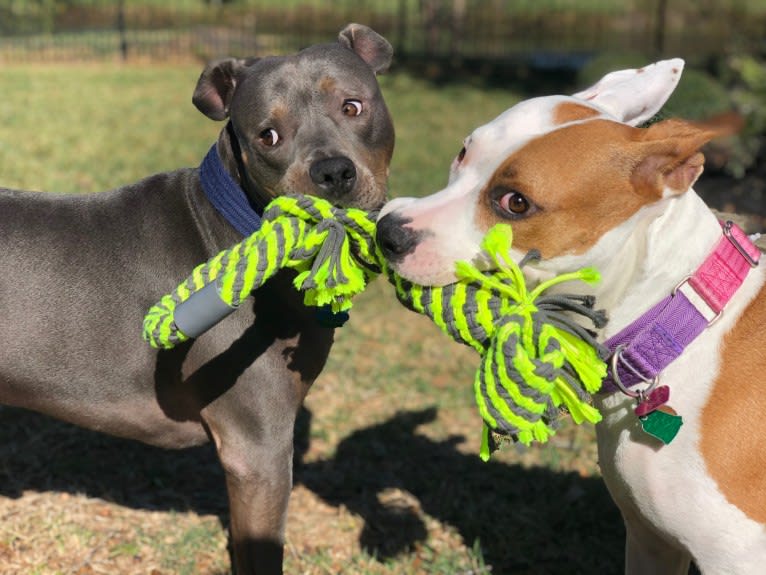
column 697, row 96
column 748, row 93
column 602, row 64
column 740, row 86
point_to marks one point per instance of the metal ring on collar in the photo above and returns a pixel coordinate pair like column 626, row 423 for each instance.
column 639, row 394
column 727, row 231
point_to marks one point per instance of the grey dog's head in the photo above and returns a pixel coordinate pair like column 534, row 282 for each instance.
column 314, row 122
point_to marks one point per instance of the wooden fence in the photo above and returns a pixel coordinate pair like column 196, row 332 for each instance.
column 547, row 30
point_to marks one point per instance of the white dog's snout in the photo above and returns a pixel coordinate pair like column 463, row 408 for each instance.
column 394, row 205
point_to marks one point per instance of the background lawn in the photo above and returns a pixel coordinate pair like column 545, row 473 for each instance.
column 387, row 477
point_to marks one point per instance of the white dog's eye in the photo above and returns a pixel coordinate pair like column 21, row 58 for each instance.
column 461, row 154
column 352, row 107
column 514, row 203
column 269, row 137
column 456, row 162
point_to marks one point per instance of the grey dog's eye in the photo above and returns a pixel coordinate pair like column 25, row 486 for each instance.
column 269, row 137
column 351, row 107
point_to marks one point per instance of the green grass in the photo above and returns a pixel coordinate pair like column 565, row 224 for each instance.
column 431, row 123
column 389, row 482
column 91, row 128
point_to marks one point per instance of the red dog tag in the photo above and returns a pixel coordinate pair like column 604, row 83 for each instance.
column 653, row 400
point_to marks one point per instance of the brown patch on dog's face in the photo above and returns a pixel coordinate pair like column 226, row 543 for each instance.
column 567, row 112
column 373, row 176
column 327, row 84
column 564, row 190
column 575, row 185
column 280, row 113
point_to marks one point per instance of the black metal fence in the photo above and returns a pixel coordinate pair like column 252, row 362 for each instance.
column 56, row 30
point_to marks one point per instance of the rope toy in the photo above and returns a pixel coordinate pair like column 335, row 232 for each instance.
column 535, row 359
column 332, row 249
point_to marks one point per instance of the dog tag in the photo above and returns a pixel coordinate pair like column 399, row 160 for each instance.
column 662, row 423
column 653, row 400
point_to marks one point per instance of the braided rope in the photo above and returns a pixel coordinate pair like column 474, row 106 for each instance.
column 535, row 358
column 332, row 249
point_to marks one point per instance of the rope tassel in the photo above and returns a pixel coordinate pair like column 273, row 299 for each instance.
column 535, row 358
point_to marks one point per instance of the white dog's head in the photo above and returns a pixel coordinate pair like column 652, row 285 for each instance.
column 562, row 170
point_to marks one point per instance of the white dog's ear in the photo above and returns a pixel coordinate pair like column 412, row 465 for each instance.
column 634, row 96
column 667, row 156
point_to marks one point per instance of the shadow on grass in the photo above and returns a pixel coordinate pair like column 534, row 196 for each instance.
column 43, row 454
column 526, row 520
column 531, row 521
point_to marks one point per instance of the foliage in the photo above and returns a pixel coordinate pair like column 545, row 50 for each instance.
column 606, row 62
column 431, row 28
column 698, row 95
column 748, row 92
column 739, row 85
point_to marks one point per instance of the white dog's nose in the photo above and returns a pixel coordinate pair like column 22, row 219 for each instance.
column 394, row 204
column 394, row 238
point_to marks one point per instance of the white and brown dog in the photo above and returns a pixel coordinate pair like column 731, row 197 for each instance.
column 581, row 183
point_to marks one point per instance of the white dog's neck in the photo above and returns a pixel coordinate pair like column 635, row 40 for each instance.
column 645, row 257
column 659, row 252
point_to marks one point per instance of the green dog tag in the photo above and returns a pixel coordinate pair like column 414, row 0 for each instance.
column 663, row 423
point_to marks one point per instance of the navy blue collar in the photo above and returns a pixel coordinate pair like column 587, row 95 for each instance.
column 226, row 195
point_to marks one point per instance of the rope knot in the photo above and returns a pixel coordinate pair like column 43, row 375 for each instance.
column 331, row 249
column 536, row 359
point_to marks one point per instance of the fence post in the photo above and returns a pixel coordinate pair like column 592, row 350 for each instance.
column 121, row 29
column 457, row 22
column 48, row 9
column 401, row 29
column 659, row 28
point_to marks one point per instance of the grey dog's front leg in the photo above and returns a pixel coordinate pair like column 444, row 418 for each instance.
column 252, row 426
column 258, row 506
column 257, row 462
column 251, row 392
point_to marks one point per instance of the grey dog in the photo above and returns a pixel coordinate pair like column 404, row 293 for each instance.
column 80, row 271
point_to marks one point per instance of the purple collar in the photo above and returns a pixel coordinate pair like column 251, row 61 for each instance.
column 646, row 346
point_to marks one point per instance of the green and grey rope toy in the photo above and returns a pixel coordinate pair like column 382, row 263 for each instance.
column 535, row 359
column 332, row 249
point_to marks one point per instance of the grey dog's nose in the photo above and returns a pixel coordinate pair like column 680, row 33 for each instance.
column 395, row 240
column 335, row 176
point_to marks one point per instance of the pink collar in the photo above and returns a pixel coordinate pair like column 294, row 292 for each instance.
column 645, row 347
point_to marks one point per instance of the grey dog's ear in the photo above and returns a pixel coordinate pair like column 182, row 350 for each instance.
column 368, row 45
column 216, row 86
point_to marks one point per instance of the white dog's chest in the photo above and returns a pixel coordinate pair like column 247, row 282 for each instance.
column 669, row 485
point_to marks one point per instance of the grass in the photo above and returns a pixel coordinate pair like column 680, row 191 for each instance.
column 57, row 123
column 60, row 122
column 387, row 479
